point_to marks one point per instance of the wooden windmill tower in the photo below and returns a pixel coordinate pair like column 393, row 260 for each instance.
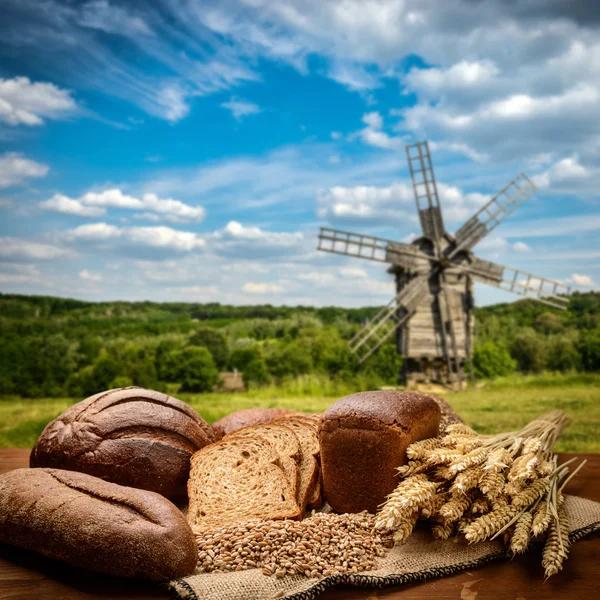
column 432, row 312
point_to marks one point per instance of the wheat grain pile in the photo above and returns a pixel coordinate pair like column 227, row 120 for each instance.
column 482, row 487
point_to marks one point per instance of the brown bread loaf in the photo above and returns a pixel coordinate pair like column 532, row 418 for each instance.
column 91, row 523
column 363, row 439
column 246, row 417
column 130, row 436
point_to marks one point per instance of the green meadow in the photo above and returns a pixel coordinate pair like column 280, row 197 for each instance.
column 503, row 404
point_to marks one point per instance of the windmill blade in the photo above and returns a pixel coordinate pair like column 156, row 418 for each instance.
column 388, row 319
column 371, row 248
column 519, row 282
column 425, row 189
column 494, row 212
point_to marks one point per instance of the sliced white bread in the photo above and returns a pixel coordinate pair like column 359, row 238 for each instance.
column 236, row 480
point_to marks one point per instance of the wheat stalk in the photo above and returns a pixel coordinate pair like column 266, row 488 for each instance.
column 521, row 536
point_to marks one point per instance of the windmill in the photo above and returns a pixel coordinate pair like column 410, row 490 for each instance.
column 432, row 311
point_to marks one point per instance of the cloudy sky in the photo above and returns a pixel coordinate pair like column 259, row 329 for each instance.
column 189, row 150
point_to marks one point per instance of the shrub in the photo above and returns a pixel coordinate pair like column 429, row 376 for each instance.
column 385, row 363
column 196, row 369
column 492, row 360
column 529, row 350
column 215, row 342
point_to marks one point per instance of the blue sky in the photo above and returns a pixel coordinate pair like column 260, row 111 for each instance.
column 184, row 150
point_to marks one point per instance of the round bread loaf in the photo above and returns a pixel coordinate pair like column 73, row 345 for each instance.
column 248, row 416
column 91, row 523
column 130, row 436
column 363, row 439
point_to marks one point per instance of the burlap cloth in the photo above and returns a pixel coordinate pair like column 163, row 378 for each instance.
column 419, row 558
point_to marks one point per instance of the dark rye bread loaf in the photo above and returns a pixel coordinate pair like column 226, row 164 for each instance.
column 91, row 523
column 246, row 417
column 363, row 439
column 130, row 436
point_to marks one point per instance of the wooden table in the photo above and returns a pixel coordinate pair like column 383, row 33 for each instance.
column 26, row 575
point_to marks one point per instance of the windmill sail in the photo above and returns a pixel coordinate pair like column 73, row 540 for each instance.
column 520, row 282
column 388, row 319
column 425, row 189
column 371, row 248
column 494, row 212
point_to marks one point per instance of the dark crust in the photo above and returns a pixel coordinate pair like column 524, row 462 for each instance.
column 363, row 439
column 130, row 436
column 94, row 524
column 246, row 417
column 380, row 410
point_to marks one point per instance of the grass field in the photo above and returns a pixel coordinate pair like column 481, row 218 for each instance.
column 501, row 405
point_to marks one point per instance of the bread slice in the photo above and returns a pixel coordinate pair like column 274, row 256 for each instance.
column 236, row 480
column 316, row 499
column 286, row 444
column 308, row 466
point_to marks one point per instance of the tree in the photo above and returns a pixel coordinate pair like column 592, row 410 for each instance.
column 290, row 359
column 256, row 373
column 548, row 323
column 492, row 360
column 386, row 363
column 215, row 342
column 563, row 354
column 589, row 348
column 196, row 369
column 529, row 350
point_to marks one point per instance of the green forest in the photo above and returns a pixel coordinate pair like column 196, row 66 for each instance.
column 56, row 347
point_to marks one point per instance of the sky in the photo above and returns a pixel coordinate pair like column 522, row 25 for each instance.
column 189, row 150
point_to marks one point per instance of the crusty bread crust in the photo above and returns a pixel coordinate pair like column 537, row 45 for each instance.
column 130, row 436
column 363, row 439
column 246, row 417
column 91, row 523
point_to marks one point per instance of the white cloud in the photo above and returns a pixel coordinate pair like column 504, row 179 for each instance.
column 262, row 288
column 317, row 277
column 371, row 204
column 583, row 281
column 89, row 276
column 69, row 206
column 23, row 102
column 334, row 159
column 110, row 18
column 241, row 108
column 373, row 136
column 353, row 273
column 237, row 240
column 336, row 135
column 373, row 120
column 159, row 239
column 431, row 83
column 16, row 168
column 19, row 249
column 93, row 204
column 365, row 203
column 171, row 103
column 521, row 247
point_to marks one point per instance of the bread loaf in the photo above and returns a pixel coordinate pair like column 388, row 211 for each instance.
column 246, row 417
column 91, row 523
column 130, row 436
column 363, row 439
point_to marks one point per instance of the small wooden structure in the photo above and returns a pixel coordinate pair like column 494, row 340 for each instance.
column 432, row 311
column 232, row 381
